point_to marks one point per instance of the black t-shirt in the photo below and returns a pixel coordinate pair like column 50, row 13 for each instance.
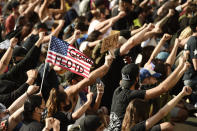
column 120, row 101
column 65, row 119
column 30, row 41
column 191, row 46
column 112, row 78
column 32, row 126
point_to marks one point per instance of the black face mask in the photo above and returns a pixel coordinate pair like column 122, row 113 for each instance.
column 68, row 107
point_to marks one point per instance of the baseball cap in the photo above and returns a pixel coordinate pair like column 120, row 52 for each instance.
column 145, row 73
column 162, row 56
column 129, row 74
column 2, row 108
column 90, row 123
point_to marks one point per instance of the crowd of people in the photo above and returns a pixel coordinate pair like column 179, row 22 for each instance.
column 148, row 81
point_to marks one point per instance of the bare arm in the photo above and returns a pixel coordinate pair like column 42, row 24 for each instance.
column 144, row 3
column 59, row 11
column 7, row 56
column 15, row 118
column 171, row 58
column 77, row 114
column 160, row 23
column 105, row 25
column 98, row 73
column 31, row 7
column 100, row 91
column 20, row 101
column 167, row 108
column 41, row 10
column 194, row 61
column 134, row 40
column 169, row 82
column 55, row 32
column 158, row 47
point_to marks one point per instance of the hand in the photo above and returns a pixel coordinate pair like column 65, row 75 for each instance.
column 177, row 41
column 186, row 90
column 100, row 88
column 166, row 37
column 13, row 42
column 77, row 34
column 41, row 35
column 61, row 22
column 170, row 13
column 49, row 123
column 32, row 89
column 186, row 66
column 108, row 60
column 56, row 124
column 121, row 14
column 157, row 30
column 182, row 60
column 32, row 74
column 150, row 26
column 89, row 97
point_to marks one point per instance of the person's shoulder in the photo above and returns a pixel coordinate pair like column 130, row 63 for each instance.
column 32, row 126
column 139, row 126
column 192, row 39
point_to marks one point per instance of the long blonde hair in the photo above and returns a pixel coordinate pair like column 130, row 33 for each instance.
column 137, row 111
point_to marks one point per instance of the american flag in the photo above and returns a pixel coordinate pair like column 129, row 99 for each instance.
column 64, row 55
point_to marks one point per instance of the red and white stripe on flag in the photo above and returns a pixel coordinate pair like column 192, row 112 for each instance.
column 74, row 61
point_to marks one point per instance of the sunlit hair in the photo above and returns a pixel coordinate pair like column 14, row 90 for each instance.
column 137, row 111
column 53, row 104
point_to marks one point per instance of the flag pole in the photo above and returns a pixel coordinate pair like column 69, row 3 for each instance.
column 44, row 69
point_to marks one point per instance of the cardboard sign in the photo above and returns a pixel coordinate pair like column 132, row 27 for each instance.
column 110, row 42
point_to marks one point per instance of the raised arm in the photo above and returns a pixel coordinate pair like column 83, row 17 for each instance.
column 55, row 32
column 31, row 7
column 98, row 73
column 78, row 113
column 134, row 40
column 8, row 55
column 171, row 58
column 20, row 101
column 100, row 91
column 158, row 47
column 59, row 11
column 41, row 10
column 15, row 118
column 167, row 108
column 105, row 25
column 160, row 23
column 169, row 82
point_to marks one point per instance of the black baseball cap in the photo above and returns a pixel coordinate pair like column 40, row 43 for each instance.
column 19, row 51
column 129, row 74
